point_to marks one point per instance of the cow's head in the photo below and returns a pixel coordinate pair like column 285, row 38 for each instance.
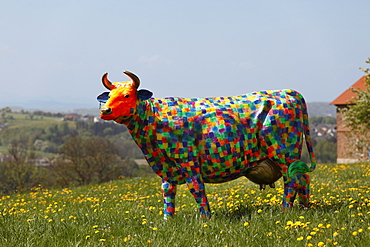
column 122, row 99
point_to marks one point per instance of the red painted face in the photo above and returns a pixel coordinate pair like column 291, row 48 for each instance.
column 122, row 101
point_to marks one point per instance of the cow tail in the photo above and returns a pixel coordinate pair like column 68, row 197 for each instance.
column 299, row 166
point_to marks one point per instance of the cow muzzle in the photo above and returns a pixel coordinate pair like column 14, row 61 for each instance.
column 105, row 110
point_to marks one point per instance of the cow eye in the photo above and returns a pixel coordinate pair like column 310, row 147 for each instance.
column 127, row 96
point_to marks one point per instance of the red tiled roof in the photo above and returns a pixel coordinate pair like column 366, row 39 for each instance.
column 347, row 96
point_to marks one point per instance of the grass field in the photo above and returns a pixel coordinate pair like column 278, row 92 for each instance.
column 128, row 212
column 23, row 120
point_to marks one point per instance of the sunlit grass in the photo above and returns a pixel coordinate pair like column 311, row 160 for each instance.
column 129, row 213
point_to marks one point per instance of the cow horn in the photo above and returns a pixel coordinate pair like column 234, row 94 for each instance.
column 106, row 82
column 133, row 77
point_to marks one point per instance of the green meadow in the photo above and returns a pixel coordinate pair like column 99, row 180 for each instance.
column 128, row 212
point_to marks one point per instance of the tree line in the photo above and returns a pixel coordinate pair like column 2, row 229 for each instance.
column 83, row 154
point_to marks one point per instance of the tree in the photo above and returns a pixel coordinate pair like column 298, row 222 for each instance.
column 89, row 160
column 357, row 116
column 19, row 172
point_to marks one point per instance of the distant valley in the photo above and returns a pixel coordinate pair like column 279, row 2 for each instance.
column 315, row 109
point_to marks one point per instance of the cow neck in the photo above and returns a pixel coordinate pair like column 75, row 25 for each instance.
column 138, row 124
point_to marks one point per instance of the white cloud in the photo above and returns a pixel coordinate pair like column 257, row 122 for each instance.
column 6, row 49
column 6, row 54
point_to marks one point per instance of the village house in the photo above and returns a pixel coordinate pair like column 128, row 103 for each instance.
column 79, row 117
column 345, row 154
column 323, row 131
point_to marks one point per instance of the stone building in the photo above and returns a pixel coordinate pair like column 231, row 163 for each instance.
column 344, row 152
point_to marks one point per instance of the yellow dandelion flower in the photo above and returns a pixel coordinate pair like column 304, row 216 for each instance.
column 269, row 234
column 259, row 211
column 309, row 245
column 87, row 236
column 155, row 228
column 320, row 244
column 277, row 222
column 335, row 234
column 205, row 225
column 312, row 233
column 246, row 223
column 300, row 239
column 96, row 226
column 360, row 230
column 102, row 240
column 355, row 233
column 335, row 243
column 29, row 220
column 309, row 237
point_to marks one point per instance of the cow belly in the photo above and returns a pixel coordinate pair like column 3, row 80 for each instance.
column 220, row 172
column 224, row 160
column 227, row 149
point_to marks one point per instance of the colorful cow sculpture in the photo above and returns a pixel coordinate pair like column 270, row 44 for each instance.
column 212, row 140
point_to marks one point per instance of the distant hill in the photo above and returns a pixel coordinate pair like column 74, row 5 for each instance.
column 315, row 109
column 86, row 111
column 321, row 109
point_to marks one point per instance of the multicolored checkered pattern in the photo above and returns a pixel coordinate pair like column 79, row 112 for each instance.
column 214, row 140
column 299, row 185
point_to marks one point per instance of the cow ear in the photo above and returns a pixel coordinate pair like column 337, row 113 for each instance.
column 144, row 94
column 103, row 98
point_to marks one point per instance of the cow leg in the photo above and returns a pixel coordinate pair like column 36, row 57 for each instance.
column 169, row 194
column 197, row 188
column 304, row 190
column 290, row 193
column 297, row 185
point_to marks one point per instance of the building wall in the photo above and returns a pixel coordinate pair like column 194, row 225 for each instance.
column 343, row 148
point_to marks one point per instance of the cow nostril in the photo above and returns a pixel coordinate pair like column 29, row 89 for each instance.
column 105, row 111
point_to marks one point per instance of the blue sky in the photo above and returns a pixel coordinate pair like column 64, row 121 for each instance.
column 56, row 51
